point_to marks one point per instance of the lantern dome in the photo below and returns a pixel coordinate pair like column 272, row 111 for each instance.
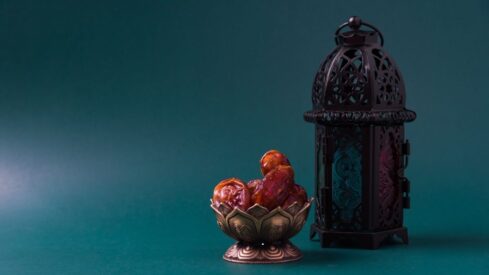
column 358, row 81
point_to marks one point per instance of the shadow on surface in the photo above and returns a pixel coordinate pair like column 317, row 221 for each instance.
column 349, row 244
column 329, row 257
column 451, row 241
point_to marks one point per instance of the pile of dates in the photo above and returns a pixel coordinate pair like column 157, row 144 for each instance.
column 277, row 188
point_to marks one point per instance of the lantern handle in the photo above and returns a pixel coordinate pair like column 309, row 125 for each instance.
column 355, row 23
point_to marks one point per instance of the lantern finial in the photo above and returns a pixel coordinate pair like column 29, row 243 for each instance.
column 354, row 22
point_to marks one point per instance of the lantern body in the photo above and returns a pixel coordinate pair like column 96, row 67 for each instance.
column 360, row 149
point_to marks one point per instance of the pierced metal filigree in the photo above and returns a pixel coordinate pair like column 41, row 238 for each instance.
column 388, row 80
column 319, row 85
column 347, row 79
column 390, row 209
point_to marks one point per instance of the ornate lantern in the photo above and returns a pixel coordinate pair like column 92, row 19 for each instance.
column 359, row 110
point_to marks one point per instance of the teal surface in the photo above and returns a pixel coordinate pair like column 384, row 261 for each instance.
column 117, row 118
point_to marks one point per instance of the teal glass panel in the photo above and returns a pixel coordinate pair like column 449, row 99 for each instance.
column 347, row 176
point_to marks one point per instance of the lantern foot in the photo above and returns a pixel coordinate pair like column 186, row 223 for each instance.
column 369, row 240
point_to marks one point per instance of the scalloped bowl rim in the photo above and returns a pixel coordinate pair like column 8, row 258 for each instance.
column 233, row 211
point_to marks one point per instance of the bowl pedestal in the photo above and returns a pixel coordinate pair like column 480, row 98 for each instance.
column 262, row 253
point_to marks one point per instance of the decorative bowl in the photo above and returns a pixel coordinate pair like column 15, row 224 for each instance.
column 262, row 235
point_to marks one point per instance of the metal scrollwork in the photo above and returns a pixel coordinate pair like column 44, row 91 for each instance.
column 347, row 176
column 387, row 79
column 390, row 209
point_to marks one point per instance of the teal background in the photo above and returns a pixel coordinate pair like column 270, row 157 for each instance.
column 117, row 118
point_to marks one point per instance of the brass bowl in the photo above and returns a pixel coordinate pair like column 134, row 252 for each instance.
column 262, row 235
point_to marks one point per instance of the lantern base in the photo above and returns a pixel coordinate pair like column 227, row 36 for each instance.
column 370, row 240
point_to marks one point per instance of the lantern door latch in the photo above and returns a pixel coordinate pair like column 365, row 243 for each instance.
column 406, row 188
column 406, row 150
